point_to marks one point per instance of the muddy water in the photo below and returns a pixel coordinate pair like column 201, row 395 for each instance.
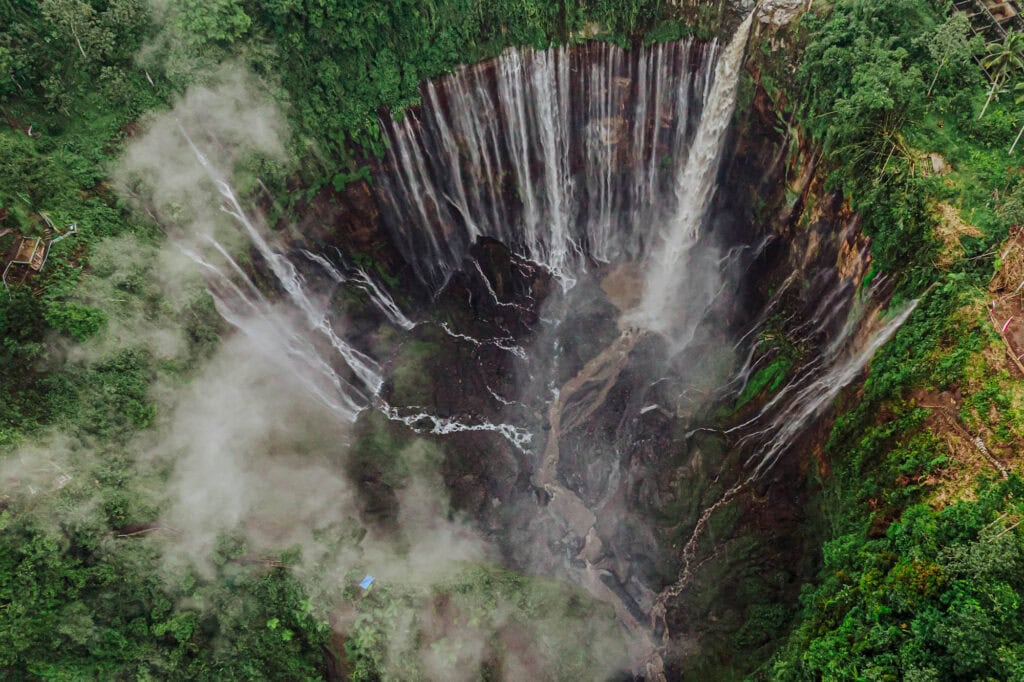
column 572, row 407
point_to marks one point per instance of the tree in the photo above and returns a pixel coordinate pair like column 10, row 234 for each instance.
column 1019, row 89
column 950, row 43
column 223, row 21
column 77, row 24
column 1002, row 61
column 7, row 64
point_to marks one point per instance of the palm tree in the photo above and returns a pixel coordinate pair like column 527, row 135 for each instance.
column 1002, row 60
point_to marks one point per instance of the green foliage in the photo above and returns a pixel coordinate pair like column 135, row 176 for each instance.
column 369, row 263
column 951, row 47
column 54, row 50
column 221, row 21
column 22, row 331
column 768, row 377
column 380, row 451
column 897, row 596
column 413, row 374
column 1012, row 209
column 862, row 72
column 1003, row 62
column 906, row 591
column 874, row 72
column 71, row 89
column 561, row 633
column 77, row 599
column 763, row 623
column 347, row 61
column 667, row 31
column 81, row 606
column 939, row 596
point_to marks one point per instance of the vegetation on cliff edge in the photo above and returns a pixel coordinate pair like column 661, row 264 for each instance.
column 922, row 555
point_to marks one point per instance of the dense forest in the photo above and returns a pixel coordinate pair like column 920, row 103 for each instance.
column 915, row 120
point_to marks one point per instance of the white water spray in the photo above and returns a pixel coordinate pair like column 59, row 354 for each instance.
column 816, row 392
column 458, row 165
column 560, row 168
column 423, row 422
column 383, row 301
column 290, row 280
column 814, row 397
column 276, row 337
column 251, row 313
column 694, row 190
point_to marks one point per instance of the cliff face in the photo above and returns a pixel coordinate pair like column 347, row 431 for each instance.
column 651, row 498
column 760, row 547
column 754, row 552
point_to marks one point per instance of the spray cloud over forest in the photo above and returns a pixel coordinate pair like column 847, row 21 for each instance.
column 610, row 339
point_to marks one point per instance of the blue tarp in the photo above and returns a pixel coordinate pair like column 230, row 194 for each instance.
column 366, row 582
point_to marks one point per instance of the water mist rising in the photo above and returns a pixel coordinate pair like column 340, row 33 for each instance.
column 299, row 346
column 287, row 276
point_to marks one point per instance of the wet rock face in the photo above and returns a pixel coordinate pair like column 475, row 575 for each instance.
column 564, row 155
column 506, row 290
column 778, row 13
column 627, row 448
column 348, row 218
column 633, row 471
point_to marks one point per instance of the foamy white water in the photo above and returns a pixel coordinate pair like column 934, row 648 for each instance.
column 694, row 190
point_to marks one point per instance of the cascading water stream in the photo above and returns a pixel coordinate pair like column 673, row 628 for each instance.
column 817, row 392
column 694, row 190
column 602, row 168
column 814, row 392
column 288, row 277
column 252, row 314
column 276, row 336
column 561, row 168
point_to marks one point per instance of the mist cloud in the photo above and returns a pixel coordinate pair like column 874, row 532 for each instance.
column 247, row 443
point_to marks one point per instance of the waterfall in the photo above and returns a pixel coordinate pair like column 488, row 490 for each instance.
column 573, row 159
column 292, row 345
column 694, row 189
column 817, row 394
column 565, row 156
column 241, row 309
column 276, row 336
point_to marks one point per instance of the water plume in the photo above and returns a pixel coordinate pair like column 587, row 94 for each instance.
column 694, row 190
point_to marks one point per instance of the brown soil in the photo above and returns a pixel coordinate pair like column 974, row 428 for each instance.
column 1006, row 309
column 970, row 454
column 624, row 286
column 949, row 228
column 976, row 452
